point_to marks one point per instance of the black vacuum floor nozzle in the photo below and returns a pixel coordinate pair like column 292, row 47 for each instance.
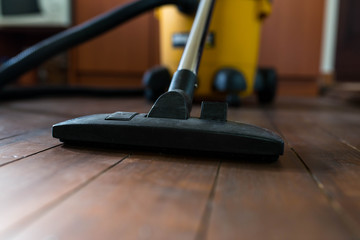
column 127, row 129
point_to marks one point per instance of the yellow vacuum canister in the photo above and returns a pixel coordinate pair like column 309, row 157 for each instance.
column 229, row 61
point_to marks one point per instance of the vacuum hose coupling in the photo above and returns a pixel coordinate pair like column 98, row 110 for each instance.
column 176, row 103
column 184, row 80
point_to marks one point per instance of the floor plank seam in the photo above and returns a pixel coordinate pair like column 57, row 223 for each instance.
column 12, row 136
column 335, row 205
column 343, row 141
column 31, row 132
column 205, row 219
column 30, row 155
column 312, row 175
column 349, row 145
column 26, row 222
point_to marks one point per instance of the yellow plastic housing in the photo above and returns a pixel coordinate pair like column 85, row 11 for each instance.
column 235, row 33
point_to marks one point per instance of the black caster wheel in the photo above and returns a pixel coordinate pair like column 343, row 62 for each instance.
column 230, row 81
column 233, row 100
column 156, row 81
column 266, row 85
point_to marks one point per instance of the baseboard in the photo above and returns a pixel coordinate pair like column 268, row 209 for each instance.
column 298, row 86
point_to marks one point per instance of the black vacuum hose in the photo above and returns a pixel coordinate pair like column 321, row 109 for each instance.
column 47, row 48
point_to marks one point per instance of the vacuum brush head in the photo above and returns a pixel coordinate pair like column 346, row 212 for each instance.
column 211, row 133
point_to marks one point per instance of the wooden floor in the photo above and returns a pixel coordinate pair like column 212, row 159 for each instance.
column 51, row 191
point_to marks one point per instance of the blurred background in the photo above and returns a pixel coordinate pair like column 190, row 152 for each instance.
column 313, row 45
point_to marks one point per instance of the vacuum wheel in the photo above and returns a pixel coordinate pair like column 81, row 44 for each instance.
column 231, row 82
column 156, row 81
column 266, row 85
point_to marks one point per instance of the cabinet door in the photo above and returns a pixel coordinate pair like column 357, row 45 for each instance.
column 291, row 39
column 118, row 57
column 291, row 43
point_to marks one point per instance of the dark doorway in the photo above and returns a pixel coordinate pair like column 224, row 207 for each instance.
column 347, row 64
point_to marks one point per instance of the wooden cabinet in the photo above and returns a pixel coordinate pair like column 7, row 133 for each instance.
column 117, row 58
column 291, row 37
column 291, row 42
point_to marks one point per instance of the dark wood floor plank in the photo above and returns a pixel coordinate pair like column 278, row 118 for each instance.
column 333, row 164
column 19, row 147
column 22, row 122
column 13, row 123
column 344, row 126
column 79, row 106
column 144, row 197
column 272, row 201
column 333, row 116
column 277, row 201
column 30, row 186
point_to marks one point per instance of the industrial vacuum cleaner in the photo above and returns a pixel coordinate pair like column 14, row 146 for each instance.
column 168, row 124
column 229, row 63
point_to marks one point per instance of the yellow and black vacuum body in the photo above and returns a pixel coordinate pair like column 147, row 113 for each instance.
column 229, row 65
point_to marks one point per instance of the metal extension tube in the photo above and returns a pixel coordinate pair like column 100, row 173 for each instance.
column 177, row 102
column 193, row 50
